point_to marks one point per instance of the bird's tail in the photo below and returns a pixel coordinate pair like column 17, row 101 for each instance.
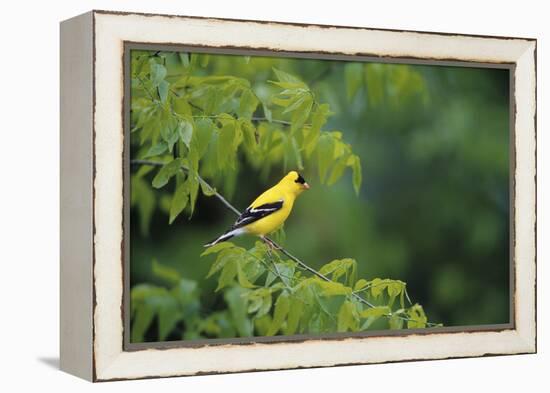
column 226, row 236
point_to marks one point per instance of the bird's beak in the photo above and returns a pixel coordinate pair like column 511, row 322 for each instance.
column 306, row 186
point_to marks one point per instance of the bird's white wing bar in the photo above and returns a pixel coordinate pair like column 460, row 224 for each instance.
column 252, row 214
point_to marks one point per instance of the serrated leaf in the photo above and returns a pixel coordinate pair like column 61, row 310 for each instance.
column 294, row 315
column 241, row 277
column 286, row 77
column 158, row 72
column 182, row 107
column 375, row 312
column 267, row 113
column 282, row 306
column 337, row 170
column 249, row 135
column 247, row 104
column 333, row 288
column 217, row 248
column 156, row 150
column 295, row 102
column 185, row 132
column 179, row 200
column 226, row 143
column 229, row 271
column 360, row 284
column 346, row 319
column 300, row 116
column 163, row 89
column 202, row 135
column 166, row 173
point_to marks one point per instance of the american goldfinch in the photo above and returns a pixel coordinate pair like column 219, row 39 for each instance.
column 269, row 211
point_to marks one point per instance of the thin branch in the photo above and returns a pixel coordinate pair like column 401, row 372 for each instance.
column 269, row 241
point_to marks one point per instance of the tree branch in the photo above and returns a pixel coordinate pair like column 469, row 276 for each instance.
column 269, row 241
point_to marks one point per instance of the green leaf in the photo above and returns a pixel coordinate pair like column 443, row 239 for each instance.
column 266, row 304
column 225, row 143
column 179, row 200
column 325, row 154
column 143, row 198
column 337, row 170
column 286, row 77
column 241, row 277
column 166, row 173
column 193, row 182
column 163, row 89
column 360, row 284
column 417, row 316
column 294, row 315
column 346, row 318
column 143, row 318
column 202, row 135
column 185, row 132
column 217, row 248
column 396, row 322
column 229, row 271
column 377, row 287
column 181, row 106
column 300, row 116
column 168, row 316
column 267, row 113
column 282, row 307
column 207, row 190
column 166, row 273
column 157, row 149
column 249, row 135
column 333, row 288
column 295, row 102
column 375, row 312
column 223, row 258
column 247, row 105
column 318, row 119
column 357, row 175
column 184, row 58
column 238, row 309
column 158, row 72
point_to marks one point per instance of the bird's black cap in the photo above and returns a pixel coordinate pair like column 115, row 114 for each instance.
column 300, row 179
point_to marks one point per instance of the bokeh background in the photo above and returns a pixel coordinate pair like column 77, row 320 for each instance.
column 433, row 209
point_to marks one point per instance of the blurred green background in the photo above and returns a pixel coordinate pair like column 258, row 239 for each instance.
column 433, row 209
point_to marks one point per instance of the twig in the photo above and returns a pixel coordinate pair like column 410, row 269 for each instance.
column 269, row 241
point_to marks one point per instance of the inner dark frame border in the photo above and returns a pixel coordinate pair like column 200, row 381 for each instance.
column 249, row 51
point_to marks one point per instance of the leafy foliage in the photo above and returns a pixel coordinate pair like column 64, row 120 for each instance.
column 200, row 124
column 203, row 126
column 267, row 295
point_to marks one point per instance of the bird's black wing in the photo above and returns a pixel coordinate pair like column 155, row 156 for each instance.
column 252, row 214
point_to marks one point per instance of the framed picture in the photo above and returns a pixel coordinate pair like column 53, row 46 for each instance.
column 245, row 195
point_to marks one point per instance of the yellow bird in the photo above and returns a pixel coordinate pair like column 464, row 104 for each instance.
column 269, row 211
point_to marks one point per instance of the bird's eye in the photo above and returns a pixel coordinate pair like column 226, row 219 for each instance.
column 300, row 179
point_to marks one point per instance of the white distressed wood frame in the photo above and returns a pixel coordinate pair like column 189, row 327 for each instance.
column 92, row 141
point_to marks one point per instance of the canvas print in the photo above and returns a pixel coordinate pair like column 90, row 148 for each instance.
column 281, row 196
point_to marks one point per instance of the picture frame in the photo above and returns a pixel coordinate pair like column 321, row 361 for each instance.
column 94, row 276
